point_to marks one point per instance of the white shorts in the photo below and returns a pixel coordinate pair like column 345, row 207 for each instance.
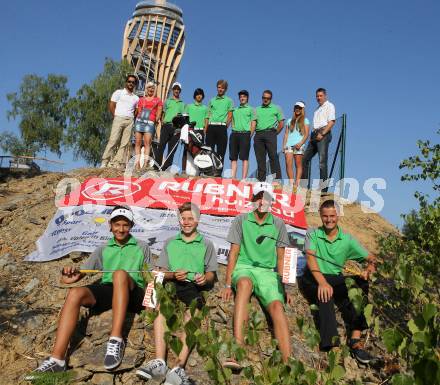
column 292, row 149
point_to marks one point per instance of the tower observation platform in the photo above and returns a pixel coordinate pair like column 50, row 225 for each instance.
column 154, row 42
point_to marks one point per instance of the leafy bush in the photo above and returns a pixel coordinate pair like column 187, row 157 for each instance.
column 407, row 298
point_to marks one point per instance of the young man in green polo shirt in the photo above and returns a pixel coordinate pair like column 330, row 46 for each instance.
column 119, row 291
column 190, row 262
column 219, row 117
column 243, row 127
column 168, row 136
column 270, row 122
column 251, row 267
column 328, row 248
column 197, row 112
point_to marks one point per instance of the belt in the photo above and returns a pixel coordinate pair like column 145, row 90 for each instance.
column 145, row 121
column 217, row 123
column 265, row 130
column 241, row 132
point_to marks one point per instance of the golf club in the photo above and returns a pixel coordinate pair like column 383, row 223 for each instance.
column 91, row 271
column 261, row 238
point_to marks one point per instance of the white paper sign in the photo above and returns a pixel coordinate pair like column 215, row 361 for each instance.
column 291, row 255
column 150, row 299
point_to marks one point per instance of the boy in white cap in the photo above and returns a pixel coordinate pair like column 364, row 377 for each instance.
column 118, row 290
column 252, row 264
column 173, row 106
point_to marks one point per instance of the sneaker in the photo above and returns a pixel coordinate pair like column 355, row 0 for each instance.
column 154, row 369
column 115, row 353
column 358, row 352
column 47, row 366
column 177, row 376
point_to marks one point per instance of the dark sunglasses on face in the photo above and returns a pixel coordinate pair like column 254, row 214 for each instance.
column 130, row 82
column 266, row 98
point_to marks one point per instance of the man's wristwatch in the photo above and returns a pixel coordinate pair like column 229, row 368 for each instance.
column 228, row 286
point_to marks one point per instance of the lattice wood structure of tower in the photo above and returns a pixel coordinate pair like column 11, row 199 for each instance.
column 154, row 41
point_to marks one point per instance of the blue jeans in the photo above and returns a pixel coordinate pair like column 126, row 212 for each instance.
column 321, row 148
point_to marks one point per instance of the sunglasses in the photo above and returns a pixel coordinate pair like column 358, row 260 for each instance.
column 130, row 82
column 266, row 98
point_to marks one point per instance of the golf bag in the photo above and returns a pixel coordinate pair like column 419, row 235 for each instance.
column 206, row 161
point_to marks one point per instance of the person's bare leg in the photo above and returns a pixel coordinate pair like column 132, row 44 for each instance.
column 299, row 169
column 184, row 353
column 159, row 333
column 77, row 297
column 289, row 166
column 147, row 149
column 137, row 150
column 281, row 328
column 245, row 169
column 241, row 312
column 122, row 284
column 233, row 169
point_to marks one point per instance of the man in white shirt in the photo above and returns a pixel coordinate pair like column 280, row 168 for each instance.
column 122, row 106
column 323, row 121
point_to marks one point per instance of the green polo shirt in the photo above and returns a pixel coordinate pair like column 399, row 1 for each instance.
column 242, row 116
column 219, row 107
column 197, row 256
column 197, row 112
column 172, row 108
column 339, row 250
column 113, row 256
column 245, row 230
column 268, row 117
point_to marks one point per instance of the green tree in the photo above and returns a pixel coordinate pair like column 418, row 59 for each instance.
column 40, row 104
column 408, row 298
column 89, row 118
column 11, row 143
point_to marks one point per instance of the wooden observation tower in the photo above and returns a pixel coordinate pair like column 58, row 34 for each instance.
column 154, row 41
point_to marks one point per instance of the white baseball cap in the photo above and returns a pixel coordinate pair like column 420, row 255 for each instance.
column 122, row 212
column 300, row 104
column 263, row 187
column 176, row 84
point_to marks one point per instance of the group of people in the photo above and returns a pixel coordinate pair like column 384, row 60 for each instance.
column 153, row 118
column 189, row 261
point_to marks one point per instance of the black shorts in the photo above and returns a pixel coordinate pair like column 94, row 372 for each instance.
column 239, row 145
column 186, row 292
column 103, row 293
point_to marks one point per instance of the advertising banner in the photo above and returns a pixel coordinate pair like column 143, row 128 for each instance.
column 214, row 196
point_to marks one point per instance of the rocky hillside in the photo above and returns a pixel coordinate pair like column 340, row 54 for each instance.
column 31, row 296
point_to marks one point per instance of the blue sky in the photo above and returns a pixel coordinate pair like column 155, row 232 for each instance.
column 379, row 61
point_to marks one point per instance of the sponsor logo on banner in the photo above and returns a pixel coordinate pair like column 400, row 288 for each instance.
column 110, row 189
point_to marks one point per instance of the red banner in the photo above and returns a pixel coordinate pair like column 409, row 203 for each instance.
column 215, row 196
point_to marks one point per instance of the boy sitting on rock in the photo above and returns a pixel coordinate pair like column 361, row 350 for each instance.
column 251, row 268
column 118, row 290
column 190, row 262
